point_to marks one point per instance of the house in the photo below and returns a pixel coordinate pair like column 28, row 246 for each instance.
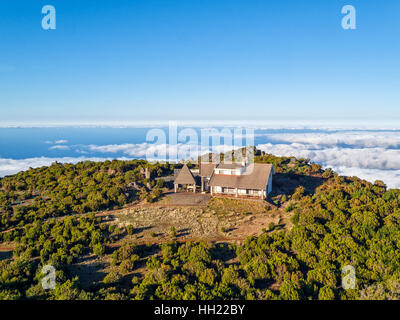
column 242, row 180
column 233, row 179
column 185, row 179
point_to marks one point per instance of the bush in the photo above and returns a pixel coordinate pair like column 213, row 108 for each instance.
column 271, row 226
column 135, row 280
column 112, row 277
column 299, row 193
column 153, row 263
column 99, row 249
column 290, row 207
column 160, row 183
column 129, row 229
column 173, row 232
column 126, row 266
column 295, row 218
column 326, row 293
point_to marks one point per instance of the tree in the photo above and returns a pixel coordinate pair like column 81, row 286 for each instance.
column 326, row 293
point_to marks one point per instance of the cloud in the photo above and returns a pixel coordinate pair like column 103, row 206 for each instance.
column 11, row 166
column 152, row 151
column 61, row 141
column 390, row 177
column 368, row 158
column 355, row 139
column 370, row 164
column 57, row 147
column 368, row 155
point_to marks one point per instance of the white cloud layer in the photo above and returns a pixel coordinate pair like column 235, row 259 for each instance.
column 11, row 166
column 368, row 155
column 368, row 158
column 160, row 151
column 355, row 139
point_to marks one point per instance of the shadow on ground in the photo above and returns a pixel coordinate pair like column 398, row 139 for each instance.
column 5, row 255
column 188, row 198
column 89, row 269
column 286, row 183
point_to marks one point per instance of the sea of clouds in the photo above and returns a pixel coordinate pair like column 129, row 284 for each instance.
column 371, row 155
column 368, row 155
column 12, row 166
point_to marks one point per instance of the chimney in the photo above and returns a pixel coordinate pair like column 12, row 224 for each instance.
column 244, row 161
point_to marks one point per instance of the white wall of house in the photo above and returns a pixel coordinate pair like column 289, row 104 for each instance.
column 242, row 192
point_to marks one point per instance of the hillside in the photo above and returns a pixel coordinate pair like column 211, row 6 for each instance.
column 112, row 233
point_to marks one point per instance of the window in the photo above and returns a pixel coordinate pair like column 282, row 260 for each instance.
column 229, row 190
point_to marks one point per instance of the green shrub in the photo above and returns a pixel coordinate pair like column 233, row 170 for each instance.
column 99, row 249
column 112, row 277
column 129, row 229
column 172, row 232
column 271, row 226
column 295, row 218
column 290, row 207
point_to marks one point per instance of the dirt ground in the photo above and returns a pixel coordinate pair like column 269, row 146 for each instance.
column 220, row 219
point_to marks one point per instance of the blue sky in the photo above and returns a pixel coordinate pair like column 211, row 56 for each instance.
column 199, row 60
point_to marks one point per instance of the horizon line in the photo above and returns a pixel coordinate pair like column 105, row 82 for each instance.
column 253, row 124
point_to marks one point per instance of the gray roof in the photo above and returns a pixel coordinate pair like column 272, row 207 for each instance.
column 185, row 176
column 255, row 177
column 206, row 169
column 233, row 165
